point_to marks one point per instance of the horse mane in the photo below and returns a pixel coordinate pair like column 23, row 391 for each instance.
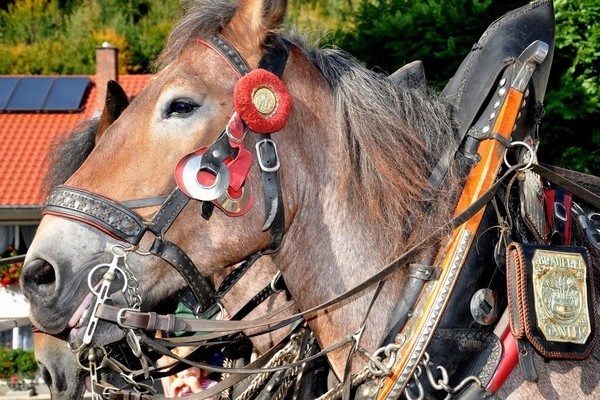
column 69, row 153
column 201, row 18
column 391, row 138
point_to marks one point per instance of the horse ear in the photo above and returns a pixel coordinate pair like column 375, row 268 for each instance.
column 116, row 102
column 252, row 22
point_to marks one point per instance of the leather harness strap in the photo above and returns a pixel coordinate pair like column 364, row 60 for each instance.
column 136, row 319
column 107, row 215
column 124, row 224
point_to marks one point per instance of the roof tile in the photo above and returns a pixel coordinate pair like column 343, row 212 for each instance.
column 26, row 140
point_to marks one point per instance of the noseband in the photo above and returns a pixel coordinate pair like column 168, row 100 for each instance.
column 120, row 221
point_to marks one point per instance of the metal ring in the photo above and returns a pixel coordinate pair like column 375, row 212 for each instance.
column 91, row 273
column 78, row 358
column 234, row 206
column 189, row 179
column 531, row 159
column 122, row 250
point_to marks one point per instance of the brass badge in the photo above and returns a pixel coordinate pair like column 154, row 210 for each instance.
column 264, row 100
column 561, row 298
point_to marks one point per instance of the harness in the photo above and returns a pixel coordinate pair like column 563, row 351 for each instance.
column 403, row 361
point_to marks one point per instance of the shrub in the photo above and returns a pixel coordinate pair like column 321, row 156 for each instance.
column 17, row 362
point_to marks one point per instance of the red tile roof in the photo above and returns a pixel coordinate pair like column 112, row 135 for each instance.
column 26, row 140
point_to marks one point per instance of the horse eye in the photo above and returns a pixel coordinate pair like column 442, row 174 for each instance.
column 179, row 107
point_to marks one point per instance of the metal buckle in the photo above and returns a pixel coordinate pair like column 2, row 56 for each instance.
column 263, row 167
column 107, row 391
column 275, row 281
column 121, row 318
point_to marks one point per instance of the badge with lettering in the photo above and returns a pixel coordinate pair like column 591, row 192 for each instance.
column 561, row 296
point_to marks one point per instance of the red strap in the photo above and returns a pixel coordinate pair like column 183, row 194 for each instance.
column 510, row 358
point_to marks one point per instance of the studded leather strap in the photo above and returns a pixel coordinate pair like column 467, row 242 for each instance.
column 105, row 214
column 183, row 264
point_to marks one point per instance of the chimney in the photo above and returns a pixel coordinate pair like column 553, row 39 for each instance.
column 107, row 69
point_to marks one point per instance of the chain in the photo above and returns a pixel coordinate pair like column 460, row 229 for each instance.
column 89, row 359
column 104, row 288
column 289, row 352
column 132, row 293
column 441, row 384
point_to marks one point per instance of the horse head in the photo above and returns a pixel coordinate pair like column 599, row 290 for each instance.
column 351, row 142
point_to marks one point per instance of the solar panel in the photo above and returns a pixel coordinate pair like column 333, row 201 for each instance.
column 45, row 94
column 66, row 94
column 29, row 95
column 7, row 87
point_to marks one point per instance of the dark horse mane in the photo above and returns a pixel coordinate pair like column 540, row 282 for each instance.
column 69, row 153
column 390, row 136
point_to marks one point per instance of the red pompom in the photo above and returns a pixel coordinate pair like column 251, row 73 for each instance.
column 262, row 101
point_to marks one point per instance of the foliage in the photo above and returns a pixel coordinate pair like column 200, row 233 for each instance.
column 10, row 273
column 573, row 98
column 29, row 21
column 317, row 18
column 387, row 34
column 59, row 37
column 17, row 363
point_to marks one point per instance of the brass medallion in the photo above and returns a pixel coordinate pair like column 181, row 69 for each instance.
column 561, row 298
column 264, row 100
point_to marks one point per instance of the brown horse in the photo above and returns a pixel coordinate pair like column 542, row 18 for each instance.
column 355, row 153
column 60, row 369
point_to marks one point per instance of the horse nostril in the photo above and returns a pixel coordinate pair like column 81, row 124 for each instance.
column 38, row 276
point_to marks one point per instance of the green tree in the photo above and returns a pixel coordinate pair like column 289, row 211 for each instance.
column 571, row 135
column 59, row 36
column 387, row 34
column 29, row 21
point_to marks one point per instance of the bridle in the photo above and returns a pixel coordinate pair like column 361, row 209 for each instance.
column 120, row 221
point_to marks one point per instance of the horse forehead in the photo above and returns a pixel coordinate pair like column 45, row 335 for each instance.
column 201, row 61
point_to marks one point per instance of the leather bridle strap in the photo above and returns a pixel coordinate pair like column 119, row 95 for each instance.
column 274, row 60
column 122, row 223
column 136, row 319
column 100, row 212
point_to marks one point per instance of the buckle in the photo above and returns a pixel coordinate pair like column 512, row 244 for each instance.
column 121, row 318
column 262, row 147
